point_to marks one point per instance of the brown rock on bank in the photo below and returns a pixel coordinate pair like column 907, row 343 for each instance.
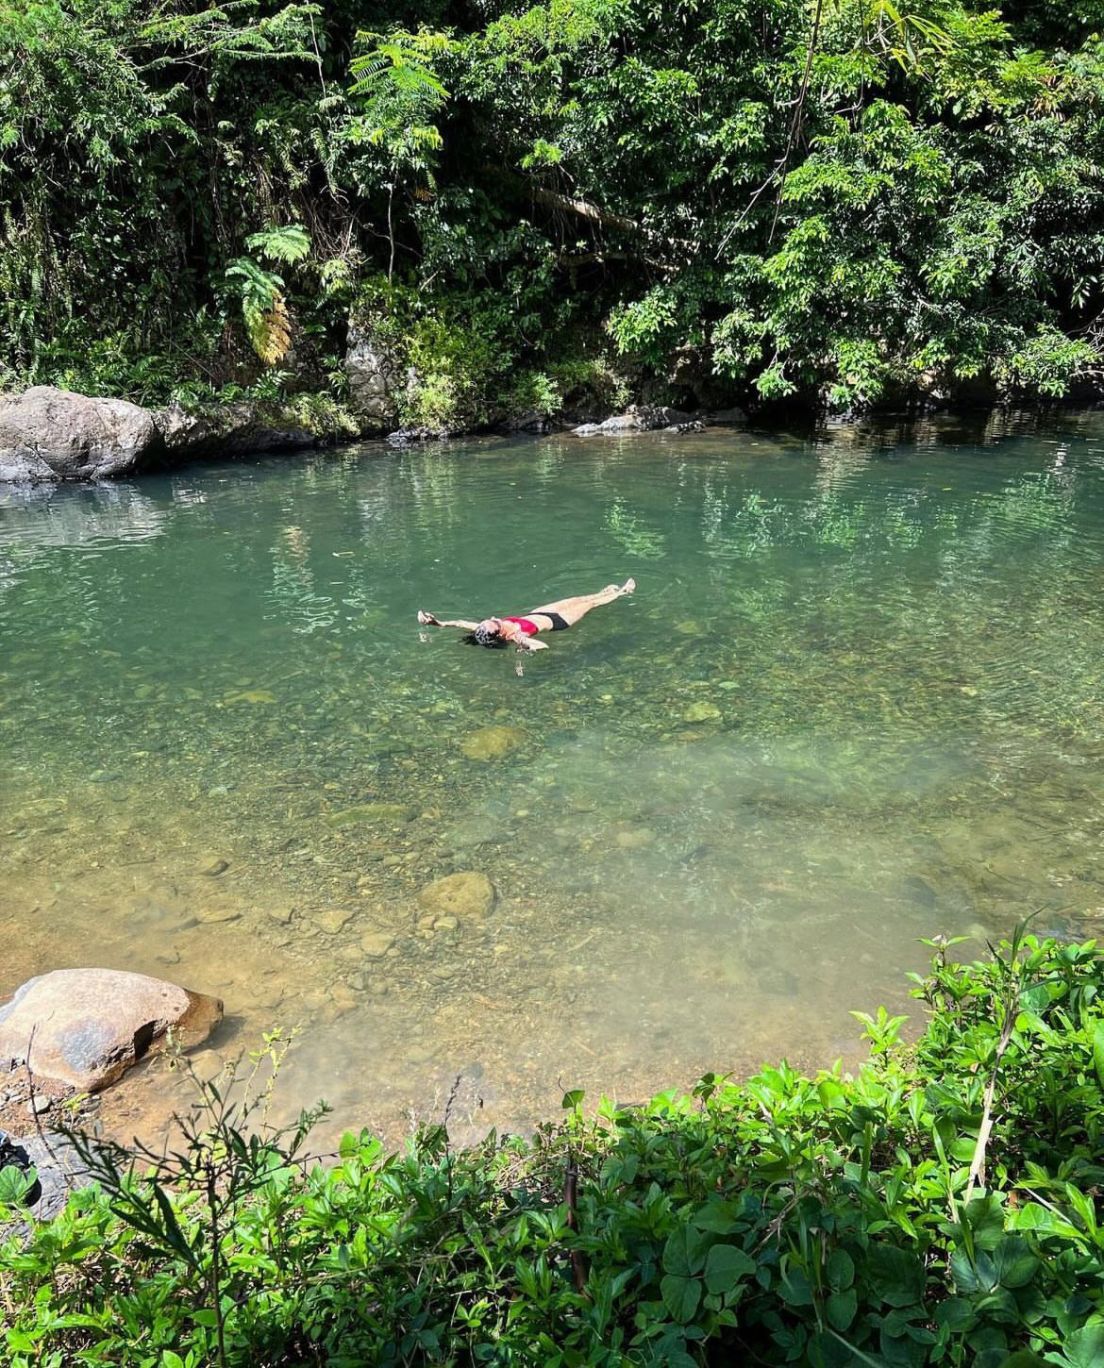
column 86, row 1027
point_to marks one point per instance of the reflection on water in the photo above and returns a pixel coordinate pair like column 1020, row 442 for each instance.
column 855, row 701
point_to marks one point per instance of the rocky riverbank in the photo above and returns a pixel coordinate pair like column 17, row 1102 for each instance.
column 48, row 435
column 67, row 1035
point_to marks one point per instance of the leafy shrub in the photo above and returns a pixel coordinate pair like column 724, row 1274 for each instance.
column 846, row 204
column 533, row 391
column 940, row 1207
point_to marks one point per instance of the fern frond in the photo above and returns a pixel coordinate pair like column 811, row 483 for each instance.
column 289, row 243
column 271, row 335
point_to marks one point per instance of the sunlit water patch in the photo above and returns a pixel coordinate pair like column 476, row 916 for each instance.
column 855, row 701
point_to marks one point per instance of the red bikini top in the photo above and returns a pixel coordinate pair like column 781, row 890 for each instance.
column 529, row 628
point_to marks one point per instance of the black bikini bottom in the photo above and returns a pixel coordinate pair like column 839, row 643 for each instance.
column 558, row 623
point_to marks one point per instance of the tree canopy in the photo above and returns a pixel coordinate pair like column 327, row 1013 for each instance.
column 839, row 201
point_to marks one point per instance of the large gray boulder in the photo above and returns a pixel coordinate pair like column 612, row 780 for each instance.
column 375, row 376
column 48, row 433
column 86, row 1027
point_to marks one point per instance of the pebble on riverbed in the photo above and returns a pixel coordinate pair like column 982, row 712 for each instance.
column 333, row 920
column 467, row 896
column 213, row 913
column 702, row 711
column 376, row 944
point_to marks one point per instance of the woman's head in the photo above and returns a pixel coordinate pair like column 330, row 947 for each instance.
column 490, row 633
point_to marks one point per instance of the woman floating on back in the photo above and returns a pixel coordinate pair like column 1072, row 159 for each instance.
column 522, row 631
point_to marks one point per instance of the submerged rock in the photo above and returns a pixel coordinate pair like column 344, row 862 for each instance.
column 467, row 896
column 334, row 919
column 701, row 712
column 391, row 814
column 250, row 696
column 489, row 743
column 86, row 1027
column 376, row 944
column 214, row 913
column 635, row 838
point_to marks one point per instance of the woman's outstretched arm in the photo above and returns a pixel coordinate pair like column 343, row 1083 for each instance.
column 429, row 620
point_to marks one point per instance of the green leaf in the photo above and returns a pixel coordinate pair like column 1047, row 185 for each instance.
column 573, row 1099
column 841, row 1307
column 1014, row 1262
column 718, row 1216
column 795, row 1288
column 841, row 1270
column 1098, row 1052
column 956, row 1313
column 288, row 244
column 985, row 1217
column 1033, row 1216
column 680, row 1296
column 972, row 1276
column 1084, row 1348
column 683, row 1252
column 725, row 1267
column 896, row 1276
column 15, row 1184
column 1024, row 1358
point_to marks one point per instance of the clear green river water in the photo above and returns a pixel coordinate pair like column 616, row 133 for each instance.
column 856, row 700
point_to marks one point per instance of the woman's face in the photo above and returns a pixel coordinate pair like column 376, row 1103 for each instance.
column 495, row 627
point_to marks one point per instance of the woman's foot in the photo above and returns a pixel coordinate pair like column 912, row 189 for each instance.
column 427, row 619
column 627, row 587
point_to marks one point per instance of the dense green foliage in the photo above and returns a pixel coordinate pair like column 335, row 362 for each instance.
column 941, row 1207
column 836, row 200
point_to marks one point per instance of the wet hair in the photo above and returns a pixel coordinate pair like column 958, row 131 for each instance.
column 483, row 636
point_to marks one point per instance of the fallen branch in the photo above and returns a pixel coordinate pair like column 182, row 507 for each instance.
column 606, row 218
column 584, row 209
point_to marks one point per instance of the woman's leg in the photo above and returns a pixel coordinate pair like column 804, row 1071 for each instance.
column 573, row 609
